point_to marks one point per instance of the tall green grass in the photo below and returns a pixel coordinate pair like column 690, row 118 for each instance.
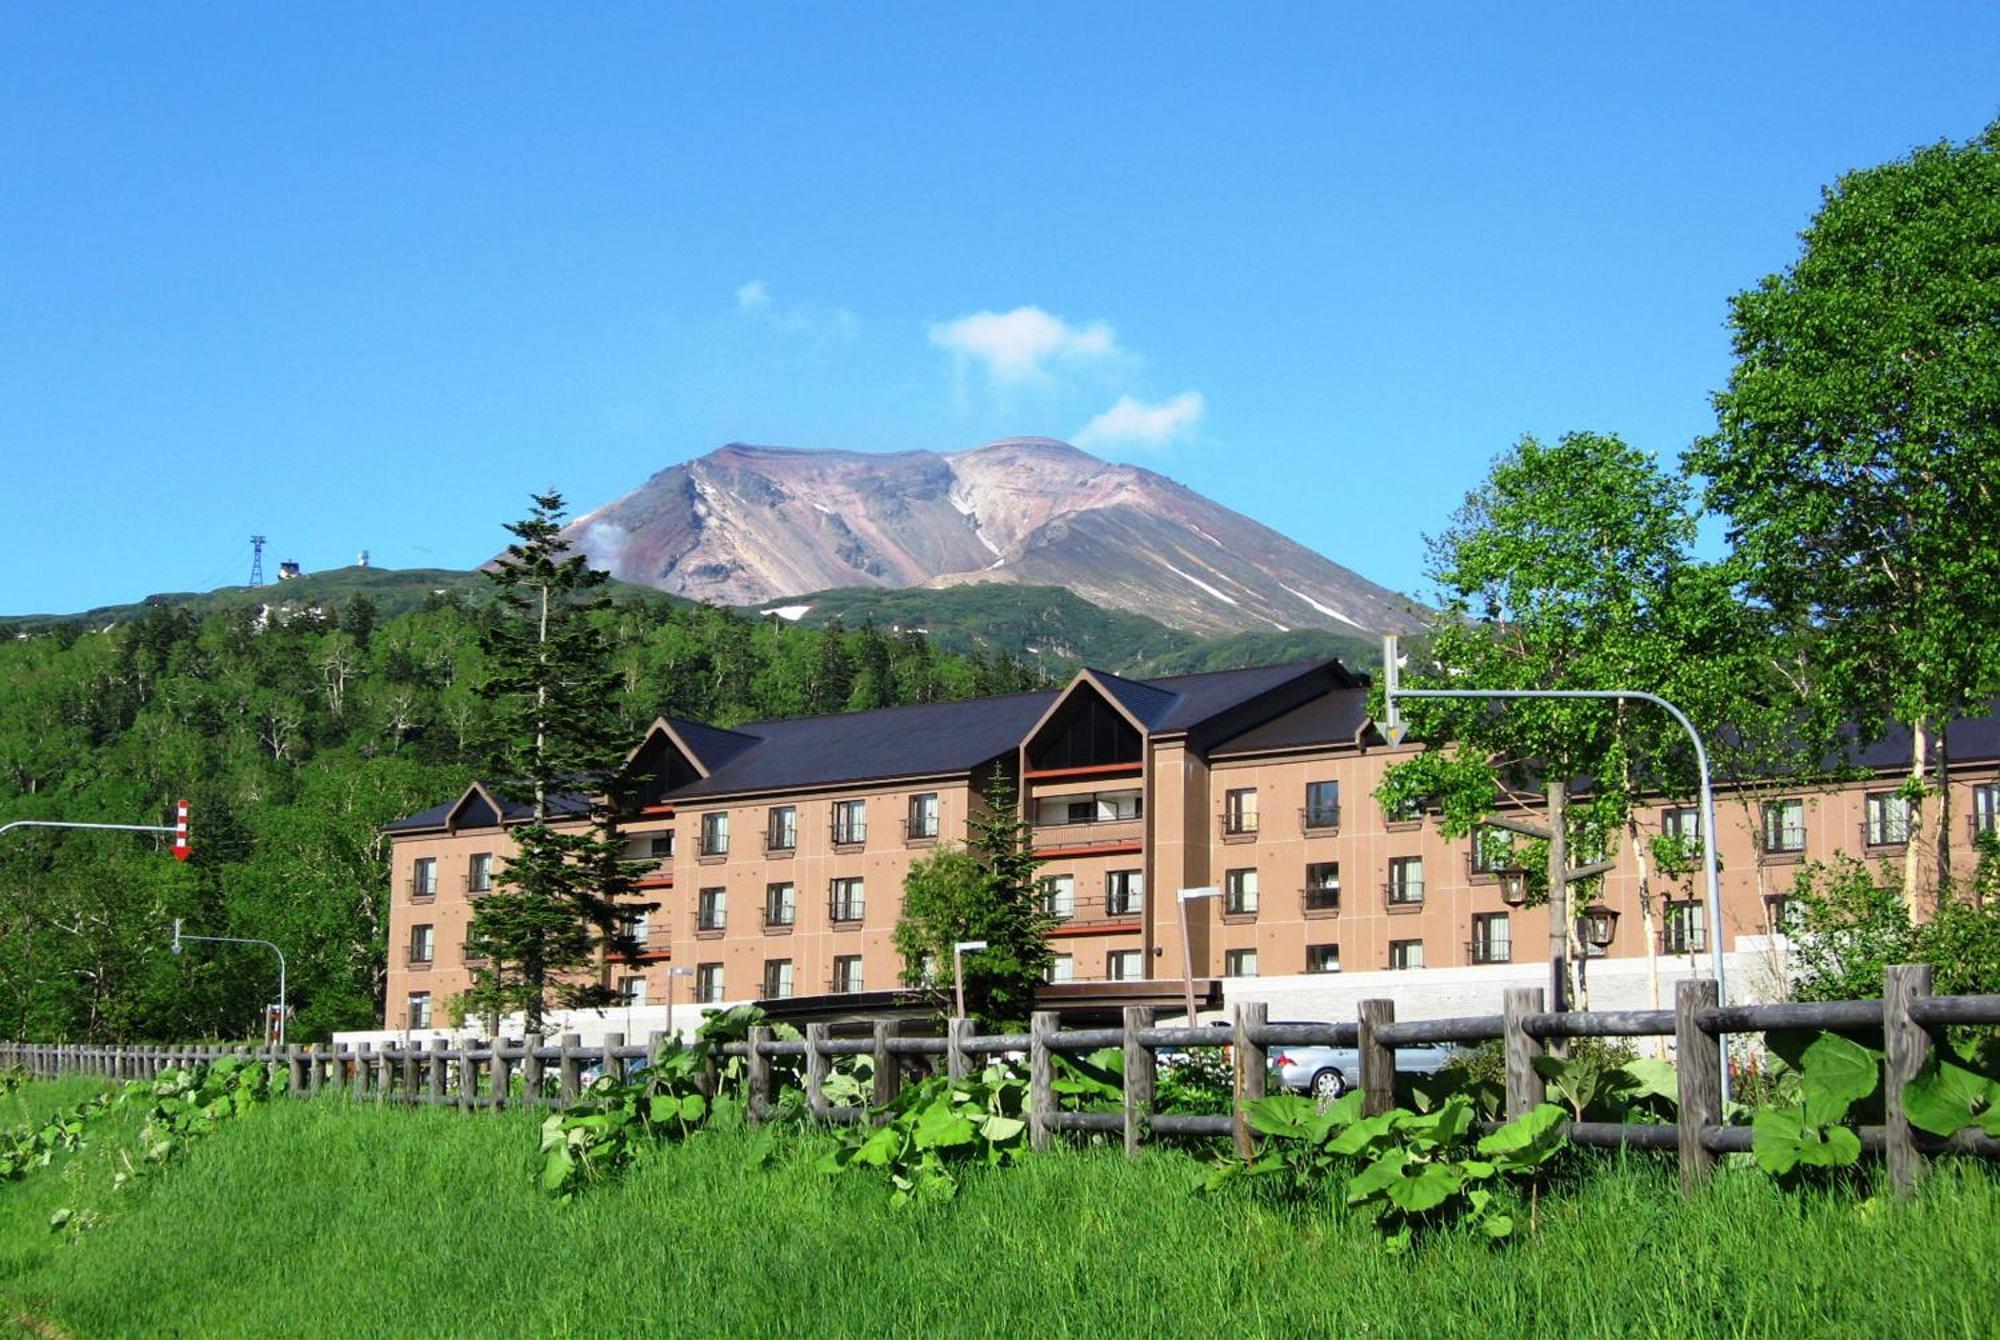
column 316, row 1218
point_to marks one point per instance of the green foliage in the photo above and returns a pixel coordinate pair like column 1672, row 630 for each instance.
column 37, row 1144
column 1956, row 1089
column 1834, row 1074
column 600, row 1134
column 1601, row 1081
column 1411, row 1171
column 933, row 1131
column 1846, row 922
column 985, row 891
column 1198, row 1080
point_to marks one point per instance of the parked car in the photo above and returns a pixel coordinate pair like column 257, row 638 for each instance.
column 1328, row 1072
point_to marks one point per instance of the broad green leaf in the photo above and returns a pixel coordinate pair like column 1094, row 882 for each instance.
column 1946, row 1097
column 1837, row 1072
column 941, row 1128
column 1425, row 1186
column 1377, row 1176
column 1654, row 1078
column 1528, row 1139
column 999, row 1130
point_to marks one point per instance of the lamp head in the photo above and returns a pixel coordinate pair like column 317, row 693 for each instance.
column 1190, row 895
column 967, row 946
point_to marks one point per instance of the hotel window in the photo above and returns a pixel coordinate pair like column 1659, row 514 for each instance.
column 1491, row 850
column 1683, row 822
column 1062, row 968
column 1322, row 958
column 781, row 905
column 1784, row 826
column 632, row 990
column 1123, row 965
column 924, row 815
column 1405, row 954
column 1059, row 895
column 661, row 846
column 845, row 900
column 847, row 973
column 708, row 983
column 634, row 929
column 423, row 943
column 781, row 828
column 715, row 833
column 711, row 909
column 1239, row 963
column 424, row 877
column 1686, row 928
column 1985, row 808
column 479, row 872
column 1888, row 821
column 1323, row 886
column 419, row 1013
column 1406, row 880
column 850, row 821
column 1322, row 805
column 1239, row 811
column 777, row 978
column 1492, row 938
column 1124, row 892
column 1239, row 892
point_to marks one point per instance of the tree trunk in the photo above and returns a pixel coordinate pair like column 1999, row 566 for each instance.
column 1558, row 799
column 1645, row 870
column 1913, row 826
column 1944, row 808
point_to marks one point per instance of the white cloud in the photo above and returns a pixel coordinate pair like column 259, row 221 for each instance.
column 754, row 300
column 1133, row 422
column 1018, row 346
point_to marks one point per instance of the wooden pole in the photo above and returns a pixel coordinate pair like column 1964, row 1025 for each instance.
column 468, row 1075
column 818, row 1063
column 434, row 1084
column 1041, row 1080
column 1699, row 1064
column 757, row 1075
column 567, row 1067
column 888, row 1070
column 1905, row 1045
column 613, row 1066
column 1140, row 1072
column 1253, row 1072
column 1378, row 1063
column 1525, row 1088
column 958, row 1061
column 1558, row 797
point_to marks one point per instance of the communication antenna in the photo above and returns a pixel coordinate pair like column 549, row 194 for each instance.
column 256, row 560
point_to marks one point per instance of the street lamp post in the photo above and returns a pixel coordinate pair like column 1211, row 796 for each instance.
column 180, row 935
column 959, row 950
column 672, row 973
column 1185, row 897
column 1394, row 728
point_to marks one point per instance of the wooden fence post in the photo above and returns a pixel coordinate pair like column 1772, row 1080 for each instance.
column 531, row 1071
column 1041, row 1080
column 503, row 1077
column 364, row 1071
column 468, row 1074
column 1141, row 1066
column 341, row 1080
column 888, row 1066
column 958, row 1061
column 757, row 1075
column 818, row 1063
column 1378, row 1063
column 1905, row 1044
column 435, row 1081
column 410, row 1047
column 567, row 1066
column 1525, row 1087
column 1699, row 1063
column 1253, row 1072
column 613, row 1065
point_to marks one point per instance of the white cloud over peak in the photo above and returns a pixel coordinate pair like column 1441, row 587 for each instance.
column 1134, row 423
column 754, row 300
column 754, row 296
column 1019, row 346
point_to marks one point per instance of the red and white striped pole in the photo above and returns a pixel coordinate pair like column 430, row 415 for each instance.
column 181, row 849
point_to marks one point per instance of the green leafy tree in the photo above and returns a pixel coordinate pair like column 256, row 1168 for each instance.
column 984, row 891
column 553, row 691
column 1570, row 567
column 1857, row 450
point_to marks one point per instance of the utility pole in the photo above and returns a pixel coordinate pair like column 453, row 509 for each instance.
column 256, row 560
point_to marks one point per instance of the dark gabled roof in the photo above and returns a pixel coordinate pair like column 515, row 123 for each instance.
column 931, row 739
column 712, row 745
column 1147, row 703
column 479, row 814
column 1966, row 740
column 1197, row 698
column 1329, row 719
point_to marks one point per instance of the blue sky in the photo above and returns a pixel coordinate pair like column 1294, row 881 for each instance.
column 362, row 276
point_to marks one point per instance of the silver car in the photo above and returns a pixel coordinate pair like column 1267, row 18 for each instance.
column 1328, row 1072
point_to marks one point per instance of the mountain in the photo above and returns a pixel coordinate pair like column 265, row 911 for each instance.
column 750, row 525
column 1059, row 631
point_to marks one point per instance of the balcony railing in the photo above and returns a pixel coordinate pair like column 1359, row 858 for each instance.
column 781, row 842
column 1885, row 832
column 920, row 830
column 1403, row 893
column 1094, row 911
column 1978, row 824
column 1681, row 940
column 844, row 911
column 421, row 888
column 1241, row 824
column 844, row 986
column 1489, row 951
column 780, row 916
column 1320, row 818
column 715, row 844
column 849, row 834
column 1783, row 843
column 470, row 958
column 1321, row 899
column 710, row 920
column 472, row 884
column 1241, row 904
column 420, row 958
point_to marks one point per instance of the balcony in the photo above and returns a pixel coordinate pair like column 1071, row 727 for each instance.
column 713, row 847
column 920, row 832
column 1083, row 836
column 469, row 958
column 1403, row 895
column 781, row 844
column 710, row 922
column 779, row 918
column 1885, row 832
column 844, row 913
column 1319, row 820
column 418, row 958
column 1085, row 916
column 1320, row 901
column 1489, row 951
column 469, row 884
column 848, row 836
column 1240, row 826
column 423, row 890
column 1678, row 941
column 1978, row 825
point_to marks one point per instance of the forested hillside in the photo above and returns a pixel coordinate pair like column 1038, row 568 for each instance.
column 295, row 739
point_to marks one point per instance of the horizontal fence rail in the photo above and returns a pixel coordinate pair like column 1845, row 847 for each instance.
column 472, row 1074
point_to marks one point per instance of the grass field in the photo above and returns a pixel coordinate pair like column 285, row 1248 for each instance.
column 315, row 1218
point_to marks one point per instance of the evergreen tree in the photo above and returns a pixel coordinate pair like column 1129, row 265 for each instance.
column 553, row 692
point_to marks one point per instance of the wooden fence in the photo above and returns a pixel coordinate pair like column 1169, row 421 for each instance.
column 1907, row 1020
